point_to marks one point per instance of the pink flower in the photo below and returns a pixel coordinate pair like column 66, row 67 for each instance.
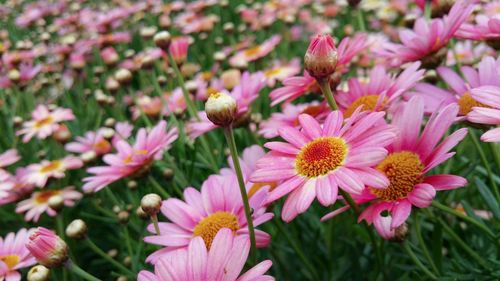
column 410, row 157
column 245, row 56
column 380, row 92
column 38, row 203
column 486, row 28
column 427, row 38
column 7, row 158
column 317, row 160
column 26, row 73
column 175, row 102
column 468, row 54
column 44, row 122
column 244, row 94
column 131, row 159
column 14, row 187
column 38, row 174
column 223, row 261
column 92, row 141
column 490, row 97
column 48, row 248
column 280, row 71
column 321, row 57
column 14, row 255
column 204, row 213
column 179, row 49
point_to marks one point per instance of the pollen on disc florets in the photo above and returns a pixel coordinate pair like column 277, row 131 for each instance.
column 368, row 102
column 404, row 170
column 466, row 103
column 208, row 227
column 321, row 156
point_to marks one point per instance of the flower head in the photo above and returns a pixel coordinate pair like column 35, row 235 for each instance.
column 48, row 248
column 489, row 113
column 38, row 174
column 221, row 109
column 44, row 122
column 14, row 255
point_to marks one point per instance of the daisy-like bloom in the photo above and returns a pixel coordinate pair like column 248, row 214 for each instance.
column 14, row 187
column 44, row 122
column 19, row 77
column 381, row 90
column 289, row 117
column 222, row 261
column 411, row 156
column 39, row 173
column 427, row 39
column 204, row 213
column 490, row 97
column 175, row 102
column 487, row 74
column 245, row 56
column 7, row 158
column 149, row 106
column 487, row 27
column 131, row 160
column 317, row 160
column 280, row 71
column 297, row 86
column 467, row 53
column 14, row 255
column 91, row 142
column 244, row 94
column 38, row 203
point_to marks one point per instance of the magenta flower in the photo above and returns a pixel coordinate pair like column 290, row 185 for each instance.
column 411, row 156
column 14, row 255
column 245, row 56
column 130, row 160
column 91, row 142
column 223, row 261
column 179, row 49
column 204, row 213
column 44, row 122
column 14, row 187
column 486, row 27
column 488, row 114
column 317, row 160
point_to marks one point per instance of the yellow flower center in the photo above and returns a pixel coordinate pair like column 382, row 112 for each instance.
column 102, row 145
column 44, row 122
column 321, row 156
column 272, row 72
column 10, row 260
column 208, row 227
column 466, row 103
column 52, row 166
column 128, row 159
column 257, row 186
column 252, row 51
column 368, row 102
column 404, row 170
column 44, row 196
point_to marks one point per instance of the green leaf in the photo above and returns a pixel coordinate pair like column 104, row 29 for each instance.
column 488, row 198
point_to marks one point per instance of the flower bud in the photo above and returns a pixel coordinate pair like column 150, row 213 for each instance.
column 320, row 59
column 151, row 204
column 179, row 49
column 48, row 249
column 77, row 229
column 221, row 109
column 123, row 217
column 230, row 78
column 123, row 76
column 56, row 202
column 141, row 214
column 14, row 75
column 38, row 273
column 162, row 40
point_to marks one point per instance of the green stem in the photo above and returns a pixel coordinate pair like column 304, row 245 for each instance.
column 464, row 217
column 80, row 272
column 158, row 187
column 417, row 262
column 101, row 253
column 428, row 10
column 228, row 132
column 361, row 20
column 424, row 246
column 190, row 105
column 327, row 92
column 486, row 164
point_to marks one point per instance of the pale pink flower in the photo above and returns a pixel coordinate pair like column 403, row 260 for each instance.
column 488, row 114
column 39, row 173
column 90, row 142
column 174, row 102
column 317, row 160
column 26, row 73
column 38, row 203
column 486, row 27
column 467, row 53
column 14, row 187
column 14, row 255
column 254, row 53
column 223, row 261
column 44, row 122
column 279, row 71
column 130, row 160
column 411, row 157
column 7, row 158
column 203, row 214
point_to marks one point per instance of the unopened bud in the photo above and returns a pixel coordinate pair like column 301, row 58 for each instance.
column 162, row 40
column 48, row 249
column 56, row 202
column 400, row 233
column 320, row 59
column 141, row 214
column 221, row 109
column 38, row 273
column 77, row 229
column 123, row 76
column 123, row 216
column 151, row 204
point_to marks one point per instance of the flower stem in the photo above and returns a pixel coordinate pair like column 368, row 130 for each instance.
column 327, row 92
column 158, row 187
column 189, row 103
column 228, row 132
column 154, row 219
column 486, row 164
column 361, row 20
column 417, row 262
column 424, row 246
column 101, row 253
column 80, row 272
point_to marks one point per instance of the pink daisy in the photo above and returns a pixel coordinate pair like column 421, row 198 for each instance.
column 38, row 203
column 174, row 102
column 44, row 122
column 381, row 90
column 204, row 213
column 130, row 160
column 14, row 187
column 317, row 160
column 411, row 156
column 244, row 94
column 427, row 38
column 91, row 142
column 14, row 255
column 490, row 97
column 280, row 71
column 486, row 27
column 39, row 173
column 222, row 261
column 252, row 54
column 467, row 53
column 27, row 72
column 7, row 158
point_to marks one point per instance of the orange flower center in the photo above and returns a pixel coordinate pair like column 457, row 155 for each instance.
column 272, row 72
column 102, row 145
column 321, row 156
column 10, row 260
column 52, row 166
column 466, row 103
column 44, row 122
column 44, row 196
column 208, row 227
column 257, row 186
column 404, row 170
column 128, row 159
column 252, row 51
column 313, row 110
column 369, row 103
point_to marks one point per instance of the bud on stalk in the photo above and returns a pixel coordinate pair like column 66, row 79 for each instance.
column 321, row 58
